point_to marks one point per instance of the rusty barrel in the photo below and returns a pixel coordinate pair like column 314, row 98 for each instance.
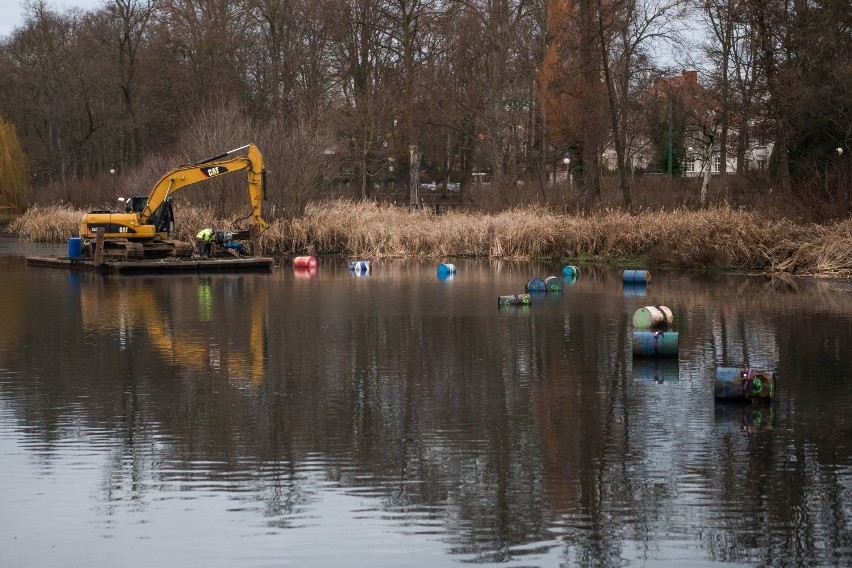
column 744, row 384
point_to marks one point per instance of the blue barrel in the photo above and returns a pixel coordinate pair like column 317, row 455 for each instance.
column 733, row 383
column 553, row 284
column 570, row 273
column 446, row 269
column 75, row 247
column 359, row 266
column 536, row 285
column 655, row 343
column 513, row 300
column 636, row 277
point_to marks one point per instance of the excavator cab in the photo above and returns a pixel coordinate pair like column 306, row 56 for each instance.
column 135, row 204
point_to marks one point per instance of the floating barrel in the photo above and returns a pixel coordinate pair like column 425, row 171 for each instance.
column 732, row 383
column 635, row 289
column 513, row 300
column 446, row 269
column 570, row 273
column 664, row 370
column 553, row 284
column 636, row 277
column 655, row 343
column 359, row 266
column 305, row 262
column 652, row 317
column 75, row 247
column 536, row 285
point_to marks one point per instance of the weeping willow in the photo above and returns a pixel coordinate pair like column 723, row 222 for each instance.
column 14, row 173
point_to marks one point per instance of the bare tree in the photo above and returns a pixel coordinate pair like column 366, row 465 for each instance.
column 624, row 32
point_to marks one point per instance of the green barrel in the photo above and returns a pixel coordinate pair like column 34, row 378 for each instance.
column 655, row 343
column 653, row 317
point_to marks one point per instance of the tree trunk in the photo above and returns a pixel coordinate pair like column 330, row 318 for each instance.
column 705, row 184
column 413, row 176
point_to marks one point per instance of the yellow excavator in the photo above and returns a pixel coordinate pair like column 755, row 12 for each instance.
column 142, row 230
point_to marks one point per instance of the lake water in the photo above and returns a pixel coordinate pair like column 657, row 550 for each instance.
column 396, row 419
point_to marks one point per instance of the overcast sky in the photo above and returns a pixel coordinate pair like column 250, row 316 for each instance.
column 11, row 11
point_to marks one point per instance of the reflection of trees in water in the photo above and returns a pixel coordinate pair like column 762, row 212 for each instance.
column 499, row 427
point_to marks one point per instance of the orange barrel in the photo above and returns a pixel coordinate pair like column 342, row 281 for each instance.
column 513, row 300
column 655, row 343
column 305, row 262
column 732, row 383
column 652, row 317
column 636, row 277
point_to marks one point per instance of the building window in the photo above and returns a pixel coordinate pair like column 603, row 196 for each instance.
column 690, row 165
column 761, row 164
column 717, row 163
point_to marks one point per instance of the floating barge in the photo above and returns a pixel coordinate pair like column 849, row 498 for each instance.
column 170, row 264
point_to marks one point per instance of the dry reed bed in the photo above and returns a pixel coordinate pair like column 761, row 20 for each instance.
column 717, row 238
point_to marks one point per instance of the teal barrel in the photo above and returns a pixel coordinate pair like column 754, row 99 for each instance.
column 536, row 285
column 636, row 277
column 553, row 284
column 570, row 273
column 655, row 343
column 75, row 247
column 513, row 300
column 743, row 384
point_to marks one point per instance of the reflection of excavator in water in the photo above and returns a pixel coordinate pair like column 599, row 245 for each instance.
column 143, row 228
column 140, row 309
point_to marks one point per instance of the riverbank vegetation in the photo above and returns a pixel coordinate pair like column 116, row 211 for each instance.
column 716, row 238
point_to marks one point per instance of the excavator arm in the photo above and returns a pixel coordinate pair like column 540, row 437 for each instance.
column 204, row 170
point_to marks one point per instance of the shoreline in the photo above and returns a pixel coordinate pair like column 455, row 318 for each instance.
column 712, row 239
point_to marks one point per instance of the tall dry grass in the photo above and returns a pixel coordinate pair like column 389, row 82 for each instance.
column 718, row 238
column 47, row 223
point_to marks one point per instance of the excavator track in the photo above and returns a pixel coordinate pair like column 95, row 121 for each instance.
column 123, row 249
